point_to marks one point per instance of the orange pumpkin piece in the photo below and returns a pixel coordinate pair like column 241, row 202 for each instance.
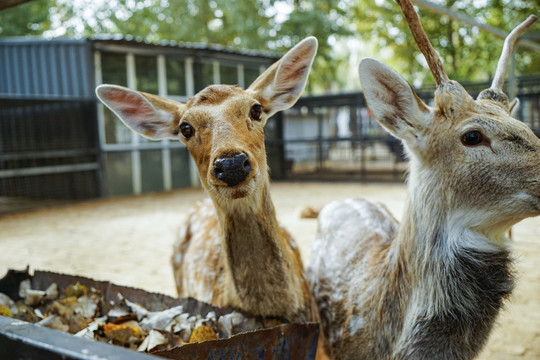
column 202, row 333
column 122, row 333
column 5, row 311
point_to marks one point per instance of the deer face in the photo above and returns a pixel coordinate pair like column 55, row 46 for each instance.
column 479, row 160
column 223, row 129
column 223, row 125
column 489, row 161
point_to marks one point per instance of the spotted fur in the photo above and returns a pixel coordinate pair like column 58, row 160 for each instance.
column 231, row 250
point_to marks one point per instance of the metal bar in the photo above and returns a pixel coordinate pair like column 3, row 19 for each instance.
column 136, row 172
column 468, row 20
column 100, row 107
column 332, row 140
column 165, row 152
column 46, row 154
column 320, row 140
column 142, row 146
column 45, row 170
column 512, row 83
column 100, row 114
column 190, row 80
column 241, row 78
column 190, row 91
column 217, row 75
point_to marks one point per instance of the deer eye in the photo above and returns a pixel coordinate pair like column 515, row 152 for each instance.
column 186, row 130
column 256, row 112
column 472, row 138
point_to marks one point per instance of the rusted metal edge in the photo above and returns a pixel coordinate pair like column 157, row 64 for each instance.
column 289, row 341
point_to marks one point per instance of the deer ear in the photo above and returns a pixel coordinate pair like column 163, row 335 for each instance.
column 151, row 116
column 279, row 87
column 393, row 102
column 513, row 107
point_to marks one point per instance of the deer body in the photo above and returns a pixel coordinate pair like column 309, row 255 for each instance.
column 397, row 297
column 430, row 287
column 253, row 264
column 231, row 250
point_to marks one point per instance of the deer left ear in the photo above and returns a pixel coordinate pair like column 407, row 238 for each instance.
column 279, row 87
column 150, row 115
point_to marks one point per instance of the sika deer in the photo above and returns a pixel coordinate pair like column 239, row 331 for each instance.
column 231, row 251
column 432, row 286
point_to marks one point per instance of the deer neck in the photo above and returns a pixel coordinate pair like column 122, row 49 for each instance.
column 257, row 259
column 433, row 223
column 458, row 277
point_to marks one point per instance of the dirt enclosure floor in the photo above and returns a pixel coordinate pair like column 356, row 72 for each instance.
column 128, row 241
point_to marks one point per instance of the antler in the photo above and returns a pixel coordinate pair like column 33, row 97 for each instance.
column 433, row 60
column 509, row 42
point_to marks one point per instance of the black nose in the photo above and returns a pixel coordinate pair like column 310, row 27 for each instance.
column 232, row 170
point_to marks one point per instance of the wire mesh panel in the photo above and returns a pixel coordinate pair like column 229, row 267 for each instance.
column 48, row 149
column 335, row 137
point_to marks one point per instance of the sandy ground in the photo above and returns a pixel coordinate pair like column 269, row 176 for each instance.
column 128, row 241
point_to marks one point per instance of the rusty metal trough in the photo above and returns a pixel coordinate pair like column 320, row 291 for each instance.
column 21, row 340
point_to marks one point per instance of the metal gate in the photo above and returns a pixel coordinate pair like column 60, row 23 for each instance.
column 335, row 137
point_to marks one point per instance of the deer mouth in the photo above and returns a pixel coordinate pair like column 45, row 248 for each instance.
column 238, row 191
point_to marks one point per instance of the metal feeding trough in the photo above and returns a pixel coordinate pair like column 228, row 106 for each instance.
column 23, row 340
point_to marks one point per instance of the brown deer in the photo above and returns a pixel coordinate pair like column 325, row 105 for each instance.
column 432, row 286
column 231, row 251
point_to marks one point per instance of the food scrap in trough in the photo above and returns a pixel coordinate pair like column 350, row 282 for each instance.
column 84, row 312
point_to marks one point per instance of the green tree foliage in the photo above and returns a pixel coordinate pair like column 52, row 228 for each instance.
column 240, row 23
column 468, row 53
column 28, row 19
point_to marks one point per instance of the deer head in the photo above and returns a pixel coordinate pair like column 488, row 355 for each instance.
column 223, row 125
column 481, row 165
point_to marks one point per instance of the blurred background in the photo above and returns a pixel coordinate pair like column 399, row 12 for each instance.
column 123, row 197
column 57, row 144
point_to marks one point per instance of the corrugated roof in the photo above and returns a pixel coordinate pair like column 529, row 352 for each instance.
column 40, row 68
column 62, row 68
column 130, row 40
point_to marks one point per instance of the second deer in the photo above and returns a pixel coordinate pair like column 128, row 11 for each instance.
column 231, row 250
column 432, row 286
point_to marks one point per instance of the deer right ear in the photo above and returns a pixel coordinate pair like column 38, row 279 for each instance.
column 150, row 115
column 393, row 102
column 280, row 86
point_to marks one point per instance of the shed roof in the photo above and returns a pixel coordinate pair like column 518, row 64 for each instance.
column 63, row 68
column 171, row 44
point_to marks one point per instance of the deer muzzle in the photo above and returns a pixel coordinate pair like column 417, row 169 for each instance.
column 232, row 170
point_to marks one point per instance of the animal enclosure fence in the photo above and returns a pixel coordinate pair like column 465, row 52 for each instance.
column 335, row 137
column 49, row 147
